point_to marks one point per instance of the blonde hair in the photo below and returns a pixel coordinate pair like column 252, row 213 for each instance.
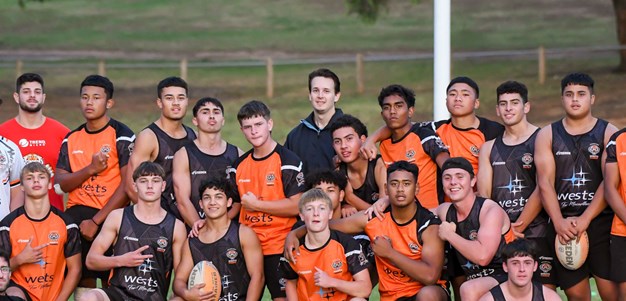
column 314, row 194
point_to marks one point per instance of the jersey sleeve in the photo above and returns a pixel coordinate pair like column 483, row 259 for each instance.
column 64, row 160
column 124, row 142
column 5, row 239
column 426, row 219
column 431, row 142
column 355, row 257
column 285, row 269
column 16, row 167
column 490, row 129
column 292, row 175
column 611, row 147
column 72, row 245
column 231, row 175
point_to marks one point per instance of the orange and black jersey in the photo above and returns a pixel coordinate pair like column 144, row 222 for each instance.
column 114, row 139
column 466, row 143
column 341, row 257
column 420, row 146
column 44, row 279
column 407, row 240
column 167, row 148
column 274, row 177
column 468, row 229
column 616, row 153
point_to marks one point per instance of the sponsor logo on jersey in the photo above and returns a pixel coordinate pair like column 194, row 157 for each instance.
column 578, row 180
column 25, row 142
column 23, row 241
column 244, row 180
column 496, row 163
column 232, row 254
column 169, row 157
column 131, row 238
column 560, row 153
column 77, row 151
column 198, row 172
column 594, row 150
column 622, row 154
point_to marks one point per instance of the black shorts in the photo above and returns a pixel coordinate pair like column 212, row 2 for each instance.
column 598, row 263
column 414, row 297
column 80, row 213
column 545, row 273
column 618, row 260
column 273, row 280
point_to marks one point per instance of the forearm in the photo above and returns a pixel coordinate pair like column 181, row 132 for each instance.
column 283, row 207
column 530, row 211
column 596, row 206
column 118, row 200
column 234, row 210
column 550, row 202
column 187, row 211
column 70, row 181
column 614, row 199
column 418, row 270
column 356, row 288
column 100, row 262
column 256, row 286
column 180, row 288
column 70, row 282
column 473, row 250
column 356, row 202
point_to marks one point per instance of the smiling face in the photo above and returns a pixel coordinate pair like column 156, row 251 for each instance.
column 457, row 183
column 215, row 203
column 322, row 95
column 511, row 108
column 149, row 188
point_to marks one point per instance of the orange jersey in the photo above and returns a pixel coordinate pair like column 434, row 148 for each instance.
column 116, row 140
column 419, row 146
column 341, row 257
column 274, row 177
column 407, row 240
column 44, row 279
column 466, row 143
column 616, row 153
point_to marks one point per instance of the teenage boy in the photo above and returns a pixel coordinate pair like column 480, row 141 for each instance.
column 507, row 175
column 160, row 140
column 5, row 276
column 233, row 248
column 207, row 156
column 333, row 183
column 92, row 167
column 147, row 242
column 311, row 139
column 43, row 241
column 39, row 137
column 331, row 265
column 476, row 228
column 519, row 262
column 366, row 179
column 409, row 254
column 269, row 181
column 569, row 155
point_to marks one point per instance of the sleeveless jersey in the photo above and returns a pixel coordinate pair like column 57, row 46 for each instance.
column 466, row 143
column 616, row 153
column 407, row 239
column 498, row 295
column 203, row 166
column 273, row 177
column 11, row 164
column 468, row 229
column 578, row 172
column 341, row 257
column 150, row 280
column 39, row 145
column 227, row 256
column 114, row 139
column 167, row 148
column 514, row 180
column 44, row 279
column 368, row 191
column 420, row 146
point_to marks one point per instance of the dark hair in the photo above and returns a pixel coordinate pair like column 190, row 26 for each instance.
column 252, row 109
column 458, row 162
column 98, row 81
column 405, row 93
column 218, row 183
column 323, row 72
column 520, row 247
column 464, row 80
column 512, row 87
column 203, row 101
column 403, row 165
column 326, row 176
column 4, row 254
column 349, row 121
column 34, row 167
column 148, row 168
column 582, row 79
column 27, row 78
column 172, row 81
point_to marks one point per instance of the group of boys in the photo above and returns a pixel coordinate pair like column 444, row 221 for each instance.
column 450, row 199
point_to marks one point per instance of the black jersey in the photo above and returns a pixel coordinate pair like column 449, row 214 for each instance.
column 227, row 256
column 167, row 148
column 468, row 229
column 578, row 172
column 368, row 192
column 150, row 280
column 496, row 292
column 202, row 166
column 514, row 180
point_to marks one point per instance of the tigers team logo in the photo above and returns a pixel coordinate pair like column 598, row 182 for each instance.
column 232, row 254
column 337, row 264
column 270, row 179
column 410, row 154
column 594, row 150
column 414, row 248
column 475, row 150
column 54, row 236
column 527, row 159
column 473, row 235
column 162, row 243
column 105, row 149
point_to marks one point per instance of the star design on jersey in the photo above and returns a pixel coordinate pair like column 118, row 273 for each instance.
column 514, row 186
column 469, row 265
column 42, row 263
column 577, row 179
column 326, row 294
column 146, row 266
column 226, row 281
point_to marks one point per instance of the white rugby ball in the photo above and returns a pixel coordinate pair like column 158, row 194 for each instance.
column 573, row 254
column 205, row 272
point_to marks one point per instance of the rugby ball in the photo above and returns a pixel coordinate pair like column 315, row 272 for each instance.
column 572, row 254
column 205, row 272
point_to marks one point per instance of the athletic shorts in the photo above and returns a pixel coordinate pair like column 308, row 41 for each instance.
column 618, row 260
column 545, row 273
column 80, row 213
column 598, row 261
column 451, row 268
column 273, row 280
column 414, row 297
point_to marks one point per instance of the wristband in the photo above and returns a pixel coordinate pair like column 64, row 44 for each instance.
column 94, row 222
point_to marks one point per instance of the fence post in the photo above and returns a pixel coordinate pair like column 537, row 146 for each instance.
column 270, row 77
column 360, row 86
column 19, row 65
column 183, row 68
column 542, row 65
column 102, row 68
